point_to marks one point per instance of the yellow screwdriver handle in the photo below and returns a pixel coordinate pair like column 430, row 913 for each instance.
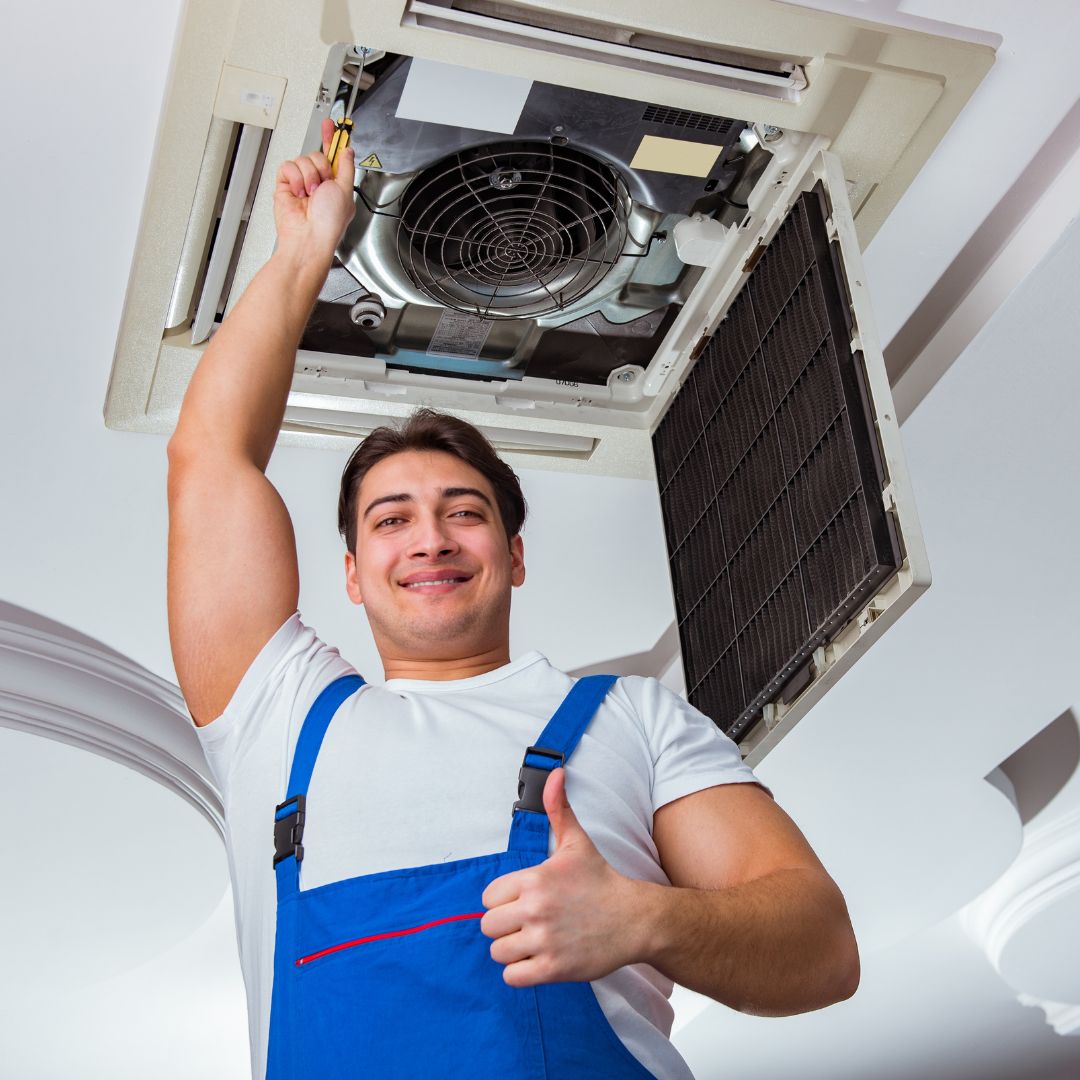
column 340, row 142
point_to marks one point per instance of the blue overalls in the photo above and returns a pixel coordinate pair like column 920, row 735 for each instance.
column 388, row 974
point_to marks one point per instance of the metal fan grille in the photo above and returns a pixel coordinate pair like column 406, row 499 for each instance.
column 770, row 483
column 512, row 230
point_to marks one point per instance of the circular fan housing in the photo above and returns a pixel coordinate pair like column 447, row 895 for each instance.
column 513, row 229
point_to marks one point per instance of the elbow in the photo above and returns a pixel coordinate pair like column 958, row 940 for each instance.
column 842, row 955
column 844, row 966
column 839, row 969
column 849, row 969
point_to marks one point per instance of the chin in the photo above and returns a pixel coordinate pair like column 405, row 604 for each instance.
column 417, row 634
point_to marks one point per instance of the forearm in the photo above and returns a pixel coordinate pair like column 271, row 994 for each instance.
column 775, row 946
column 236, row 398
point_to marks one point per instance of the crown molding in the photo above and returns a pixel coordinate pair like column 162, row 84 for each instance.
column 1063, row 1018
column 62, row 685
column 1043, row 880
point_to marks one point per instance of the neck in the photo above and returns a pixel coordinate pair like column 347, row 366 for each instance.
column 440, row 669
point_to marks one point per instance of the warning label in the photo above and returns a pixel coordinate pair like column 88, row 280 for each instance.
column 371, row 162
column 459, row 334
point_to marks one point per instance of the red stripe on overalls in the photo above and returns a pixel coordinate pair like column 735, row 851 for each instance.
column 389, row 934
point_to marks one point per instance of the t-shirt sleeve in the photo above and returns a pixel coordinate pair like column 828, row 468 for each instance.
column 689, row 751
column 271, row 699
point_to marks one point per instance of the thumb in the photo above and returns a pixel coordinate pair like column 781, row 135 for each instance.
column 564, row 822
column 345, row 169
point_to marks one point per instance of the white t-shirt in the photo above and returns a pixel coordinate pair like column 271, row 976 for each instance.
column 415, row 772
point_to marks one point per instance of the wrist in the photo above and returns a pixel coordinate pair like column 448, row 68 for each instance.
column 305, row 263
column 645, row 919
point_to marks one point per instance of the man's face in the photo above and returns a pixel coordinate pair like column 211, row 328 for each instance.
column 433, row 566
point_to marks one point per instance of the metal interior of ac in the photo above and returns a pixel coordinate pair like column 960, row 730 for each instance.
column 771, row 482
column 540, row 253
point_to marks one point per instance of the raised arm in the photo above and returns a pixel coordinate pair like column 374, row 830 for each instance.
column 233, row 577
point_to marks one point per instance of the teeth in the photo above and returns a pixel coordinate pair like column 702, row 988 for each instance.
column 444, row 581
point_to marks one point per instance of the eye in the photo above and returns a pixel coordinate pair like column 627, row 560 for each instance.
column 472, row 513
column 387, row 521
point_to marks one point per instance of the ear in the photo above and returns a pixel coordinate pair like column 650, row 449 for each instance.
column 352, row 586
column 517, row 561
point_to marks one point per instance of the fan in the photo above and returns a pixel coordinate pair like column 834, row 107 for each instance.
column 512, row 230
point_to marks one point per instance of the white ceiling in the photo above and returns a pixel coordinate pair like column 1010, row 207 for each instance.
column 885, row 777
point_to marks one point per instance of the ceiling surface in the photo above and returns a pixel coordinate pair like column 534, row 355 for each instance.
column 122, row 958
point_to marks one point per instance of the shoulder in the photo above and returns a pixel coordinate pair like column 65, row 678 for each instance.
column 655, row 705
column 689, row 751
column 644, row 699
column 294, row 657
column 280, row 683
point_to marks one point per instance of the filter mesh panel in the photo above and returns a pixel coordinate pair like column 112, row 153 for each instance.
column 770, row 482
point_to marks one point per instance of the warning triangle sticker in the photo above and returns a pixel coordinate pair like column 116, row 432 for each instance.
column 371, row 162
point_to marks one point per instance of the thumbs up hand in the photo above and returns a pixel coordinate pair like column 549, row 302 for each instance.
column 567, row 919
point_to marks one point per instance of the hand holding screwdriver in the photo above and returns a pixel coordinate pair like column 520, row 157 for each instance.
column 343, row 127
column 312, row 206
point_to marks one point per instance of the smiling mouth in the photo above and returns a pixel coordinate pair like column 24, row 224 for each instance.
column 458, row 580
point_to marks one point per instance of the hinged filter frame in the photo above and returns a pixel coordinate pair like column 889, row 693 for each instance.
column 791, row 691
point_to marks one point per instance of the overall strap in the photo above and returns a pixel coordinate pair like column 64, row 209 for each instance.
column 289, row 815
column 529, row 827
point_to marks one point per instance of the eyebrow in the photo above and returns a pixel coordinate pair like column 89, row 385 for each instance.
column 445, row 493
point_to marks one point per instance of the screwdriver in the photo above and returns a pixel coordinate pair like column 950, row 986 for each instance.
column 343, row 127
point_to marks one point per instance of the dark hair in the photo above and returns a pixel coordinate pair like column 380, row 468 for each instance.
column 427, row 429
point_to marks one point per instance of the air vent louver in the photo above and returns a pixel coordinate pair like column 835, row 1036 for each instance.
column 769, row 480
column 683, row 118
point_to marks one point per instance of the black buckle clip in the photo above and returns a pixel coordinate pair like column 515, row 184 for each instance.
column 289, row 830
column 532, row 778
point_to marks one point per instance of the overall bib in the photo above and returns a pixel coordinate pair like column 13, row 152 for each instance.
column 387, row 975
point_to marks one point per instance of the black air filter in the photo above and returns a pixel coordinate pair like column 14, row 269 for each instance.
column 770, row 481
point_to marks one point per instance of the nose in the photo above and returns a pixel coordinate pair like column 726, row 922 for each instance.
column 431, row 539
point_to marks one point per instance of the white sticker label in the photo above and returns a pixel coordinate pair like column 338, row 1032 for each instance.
column 438, row 93
column 459, row 334
column 253, row 99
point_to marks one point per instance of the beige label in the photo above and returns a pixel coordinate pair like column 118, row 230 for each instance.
column 675, row 156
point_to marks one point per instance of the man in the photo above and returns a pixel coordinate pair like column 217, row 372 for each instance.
column 408, row 921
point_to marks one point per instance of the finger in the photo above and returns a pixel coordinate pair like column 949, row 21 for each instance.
column 322, row 164
column 312, row 179
column 290, row 177
column 327, row 133
column 512, row 949
column 502, row 890
column 529, row 972
column 346, row 169
column 501, row 921
column 564, row 822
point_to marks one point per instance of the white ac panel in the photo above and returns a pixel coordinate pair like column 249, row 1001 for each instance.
column 671, row 144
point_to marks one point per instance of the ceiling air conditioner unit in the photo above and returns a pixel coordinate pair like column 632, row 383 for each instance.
column 619, row 239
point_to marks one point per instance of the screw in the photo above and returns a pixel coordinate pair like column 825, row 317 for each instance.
column 626, row 376
column 504, row 179
column 772, row 134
